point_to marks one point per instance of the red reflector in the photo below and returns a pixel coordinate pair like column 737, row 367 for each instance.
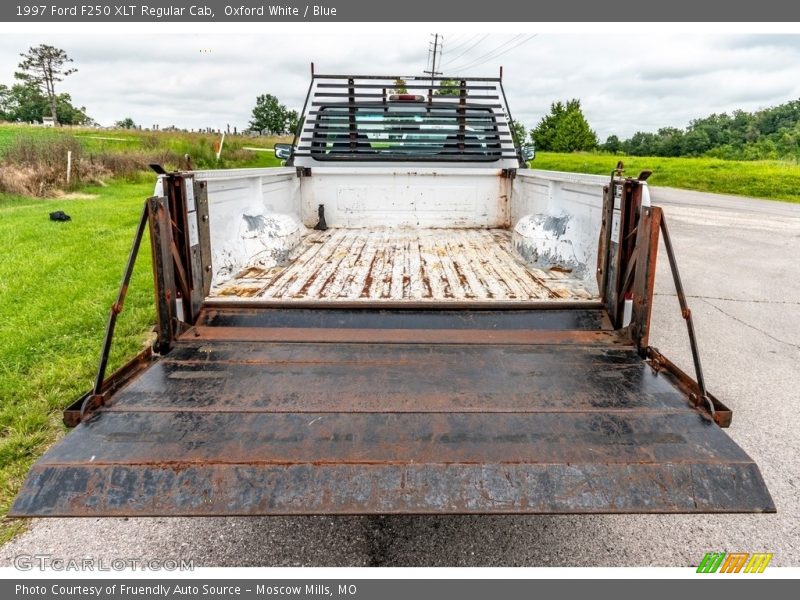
column 407, row 98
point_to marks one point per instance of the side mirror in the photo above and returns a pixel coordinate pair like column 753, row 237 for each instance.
column 528, row 153
column 283, row 151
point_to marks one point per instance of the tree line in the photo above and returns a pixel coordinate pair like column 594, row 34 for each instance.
column 770, row 133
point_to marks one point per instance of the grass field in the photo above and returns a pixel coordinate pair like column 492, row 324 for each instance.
column 770, row 179
column 199, row 146
column 57, row 282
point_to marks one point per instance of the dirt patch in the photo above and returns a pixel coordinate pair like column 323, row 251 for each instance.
column 74, row 196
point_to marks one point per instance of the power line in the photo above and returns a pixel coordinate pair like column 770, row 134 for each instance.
column 479, row 62
column 454, row 39
column 464, row 42
column 491, row 52
column 465, row 51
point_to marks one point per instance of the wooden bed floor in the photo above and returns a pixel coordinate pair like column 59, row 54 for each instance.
column 403, row 264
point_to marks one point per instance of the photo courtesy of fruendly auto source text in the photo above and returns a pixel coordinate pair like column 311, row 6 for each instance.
column 373, row 300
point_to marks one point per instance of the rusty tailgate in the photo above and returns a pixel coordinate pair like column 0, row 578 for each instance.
column 484, row 412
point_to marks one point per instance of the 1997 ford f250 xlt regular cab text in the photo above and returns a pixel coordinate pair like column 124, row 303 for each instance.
column 401, row 320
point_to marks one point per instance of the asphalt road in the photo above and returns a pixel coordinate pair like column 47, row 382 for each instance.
column 739, row 259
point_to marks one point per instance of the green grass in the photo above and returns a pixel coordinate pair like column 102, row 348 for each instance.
column 9, row 132
column 775, row 180
column 199, row 146
column 57, row 282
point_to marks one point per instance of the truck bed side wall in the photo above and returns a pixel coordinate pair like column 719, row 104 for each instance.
column 573, row 202
column 237, row 193
column 397, row 197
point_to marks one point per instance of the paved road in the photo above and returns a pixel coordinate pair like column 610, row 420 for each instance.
column 739, row 261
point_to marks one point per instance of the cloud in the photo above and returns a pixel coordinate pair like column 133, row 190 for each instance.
column 643, row 82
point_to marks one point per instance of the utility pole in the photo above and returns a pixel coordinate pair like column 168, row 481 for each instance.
column 437, row 49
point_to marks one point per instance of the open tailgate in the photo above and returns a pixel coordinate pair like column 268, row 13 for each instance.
column 467, row 413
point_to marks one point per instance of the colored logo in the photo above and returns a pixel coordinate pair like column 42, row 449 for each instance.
column 734, row 562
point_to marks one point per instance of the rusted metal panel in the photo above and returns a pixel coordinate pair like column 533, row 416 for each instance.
column 544, row 306
column 404, row 336
column 204, row 233
column 300, row 489
column 647, row 238
column 591, row 436
column 399, row 378
column 551, row 317
column 239, row 428
column 163, row 272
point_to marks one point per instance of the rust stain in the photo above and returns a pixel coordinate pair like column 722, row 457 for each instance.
column 240, row 291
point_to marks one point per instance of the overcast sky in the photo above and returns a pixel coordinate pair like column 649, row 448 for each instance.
column 625, row 84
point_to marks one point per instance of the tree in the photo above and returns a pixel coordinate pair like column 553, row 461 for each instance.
column 565, row 129
column 5, row 103
column 43, row 66
column 69, row 114
column 640, row 144
column 612, row 145
column 449, row 87
column 694, row 143
column 518, row 132
column 292, row 121
column 269, row 115
column 24, row 102
column 400, row 86
column 670, row 141
column 126, row 123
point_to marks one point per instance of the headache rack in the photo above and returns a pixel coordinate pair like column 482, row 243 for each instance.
column 372, row 118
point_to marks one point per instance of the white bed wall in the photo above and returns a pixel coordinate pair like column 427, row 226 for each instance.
column 240, row 200
column 557, row 217
column 399, row 197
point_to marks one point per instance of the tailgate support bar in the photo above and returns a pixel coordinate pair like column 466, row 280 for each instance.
column 686, row 313
column 96, row 398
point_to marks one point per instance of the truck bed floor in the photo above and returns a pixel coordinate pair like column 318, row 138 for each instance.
column 404, row 264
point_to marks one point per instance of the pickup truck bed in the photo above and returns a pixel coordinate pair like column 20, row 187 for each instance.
column 403, row 264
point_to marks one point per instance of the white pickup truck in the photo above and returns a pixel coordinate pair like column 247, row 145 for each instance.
column 401, row 320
